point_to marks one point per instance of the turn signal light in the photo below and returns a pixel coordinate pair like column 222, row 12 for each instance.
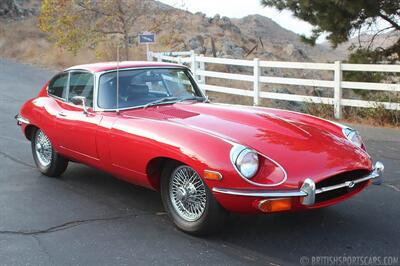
column 275, row 205
column 212, row 175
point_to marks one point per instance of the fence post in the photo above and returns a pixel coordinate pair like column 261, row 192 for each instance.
column 338, row 90
column 159, row 59
column 149, row 56
column 256, row 82
column 202, row 67
column 193, row 66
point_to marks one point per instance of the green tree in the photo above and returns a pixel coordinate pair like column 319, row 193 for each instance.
column 75, row 24
column 345, row 19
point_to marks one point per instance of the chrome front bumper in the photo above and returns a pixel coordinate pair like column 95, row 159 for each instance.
column 21, row 120
column 307, row 191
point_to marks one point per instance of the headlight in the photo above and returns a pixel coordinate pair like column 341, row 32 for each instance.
column 353, row 136
column 245, row 160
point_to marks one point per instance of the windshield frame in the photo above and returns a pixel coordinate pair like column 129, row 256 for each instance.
column 99, row 74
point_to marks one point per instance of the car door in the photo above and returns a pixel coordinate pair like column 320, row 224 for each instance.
column 78, row 128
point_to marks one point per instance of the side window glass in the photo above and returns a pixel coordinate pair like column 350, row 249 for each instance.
column 81, row 84
column 178, row 83
column 58, row 86
column 107, row 91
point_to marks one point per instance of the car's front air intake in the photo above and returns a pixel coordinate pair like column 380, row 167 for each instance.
column 337, row 180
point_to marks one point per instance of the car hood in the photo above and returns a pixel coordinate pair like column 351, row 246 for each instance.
column 302, row 149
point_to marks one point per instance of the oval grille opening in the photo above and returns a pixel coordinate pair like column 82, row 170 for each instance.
column 339, row 179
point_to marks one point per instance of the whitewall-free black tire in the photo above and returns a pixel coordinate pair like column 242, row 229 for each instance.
column 47, row 160
column 189, row 202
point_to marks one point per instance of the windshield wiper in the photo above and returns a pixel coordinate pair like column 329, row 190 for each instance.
column 194, row 98
column 162, row 100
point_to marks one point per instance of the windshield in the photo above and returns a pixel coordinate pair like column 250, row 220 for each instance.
column 146, row 87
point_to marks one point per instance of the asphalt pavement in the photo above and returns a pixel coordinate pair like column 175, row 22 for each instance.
column 88, row 217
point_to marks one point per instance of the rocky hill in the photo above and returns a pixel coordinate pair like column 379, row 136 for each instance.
column 248, row 37
column 275, row 41
column 383, row 40
column 14, row 9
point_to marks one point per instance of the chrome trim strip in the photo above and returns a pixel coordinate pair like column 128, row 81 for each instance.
column 260, row 193
column 307, row 190
column 21, row 120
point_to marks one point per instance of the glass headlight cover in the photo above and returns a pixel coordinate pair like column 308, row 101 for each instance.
column 245, row 161
column 353, row 136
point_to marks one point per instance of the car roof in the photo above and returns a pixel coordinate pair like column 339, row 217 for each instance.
column 107, row 66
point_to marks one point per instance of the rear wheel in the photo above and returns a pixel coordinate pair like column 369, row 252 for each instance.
column 46, row 158
column 189, row 201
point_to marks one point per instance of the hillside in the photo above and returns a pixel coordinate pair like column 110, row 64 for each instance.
column 280, row 43
column 249, row 37
column 383, row 40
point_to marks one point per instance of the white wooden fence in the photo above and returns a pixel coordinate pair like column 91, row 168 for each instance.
column 198, row 68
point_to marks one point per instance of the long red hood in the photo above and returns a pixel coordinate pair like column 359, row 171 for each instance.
column 305, row 146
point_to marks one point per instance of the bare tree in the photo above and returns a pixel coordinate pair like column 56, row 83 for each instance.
column 76, row 23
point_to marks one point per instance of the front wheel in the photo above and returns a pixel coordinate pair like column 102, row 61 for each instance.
column 47, row 160
column 189, row 202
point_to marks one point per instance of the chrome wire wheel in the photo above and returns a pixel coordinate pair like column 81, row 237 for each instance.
column 43, row 149
column 187, row 193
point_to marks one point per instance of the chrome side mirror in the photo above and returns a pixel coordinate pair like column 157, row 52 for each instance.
column 81, row 101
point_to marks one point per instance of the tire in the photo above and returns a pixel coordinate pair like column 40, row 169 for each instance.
column 205, row 216
column 46, row 158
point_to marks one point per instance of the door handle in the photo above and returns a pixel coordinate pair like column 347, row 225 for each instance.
column 62, row 114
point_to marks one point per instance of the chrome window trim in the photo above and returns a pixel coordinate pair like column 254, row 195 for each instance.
column 58, row 98
column 69, row 71
column 96, row 107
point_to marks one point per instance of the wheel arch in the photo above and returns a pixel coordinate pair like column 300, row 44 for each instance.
column 30, row 130
column 157, row 166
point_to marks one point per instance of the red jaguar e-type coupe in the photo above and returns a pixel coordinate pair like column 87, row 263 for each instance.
column 151, row 125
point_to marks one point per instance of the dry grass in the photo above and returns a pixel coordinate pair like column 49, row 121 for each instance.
column 378, row 116
column 22, row 40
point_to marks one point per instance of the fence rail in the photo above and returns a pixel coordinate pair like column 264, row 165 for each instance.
column 198, row 66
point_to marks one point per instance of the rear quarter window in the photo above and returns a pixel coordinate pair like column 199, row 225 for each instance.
column 58, row 86
column 81, row 84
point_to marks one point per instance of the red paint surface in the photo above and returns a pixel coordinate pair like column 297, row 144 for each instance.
column 199, row 135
